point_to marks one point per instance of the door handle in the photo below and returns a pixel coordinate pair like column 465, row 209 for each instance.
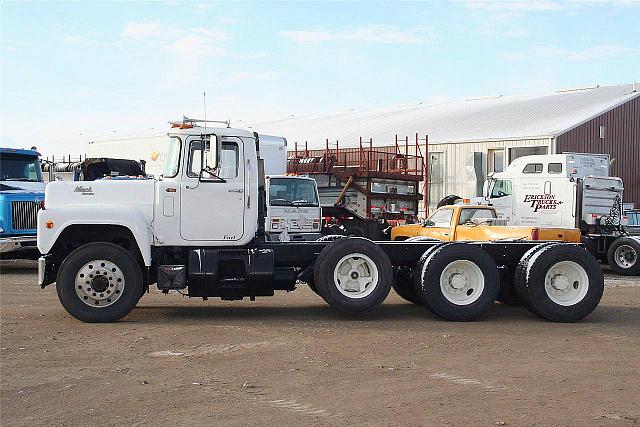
column 235, row 190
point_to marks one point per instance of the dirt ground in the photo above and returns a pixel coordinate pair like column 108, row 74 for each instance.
column 292, row 360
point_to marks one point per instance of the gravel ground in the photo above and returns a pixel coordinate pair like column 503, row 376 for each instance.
column 291, row 359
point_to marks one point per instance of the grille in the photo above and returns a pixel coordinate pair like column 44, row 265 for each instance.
column 24, row 214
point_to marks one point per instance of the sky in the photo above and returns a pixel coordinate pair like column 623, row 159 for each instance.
column 71, row 72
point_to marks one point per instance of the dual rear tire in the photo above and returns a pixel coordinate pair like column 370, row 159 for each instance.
column 561, row 282
column 353, row 275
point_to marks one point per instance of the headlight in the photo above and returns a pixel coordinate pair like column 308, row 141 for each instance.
column 275, row 223
column 1, row 230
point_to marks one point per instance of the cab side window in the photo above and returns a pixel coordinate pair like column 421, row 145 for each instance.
column 468, row 214
column 533, row 168
column 440, row 218
column 227, row 167
column 555, row 168
column 229, row 160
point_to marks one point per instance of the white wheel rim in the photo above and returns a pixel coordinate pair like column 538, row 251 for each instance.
column 625, row 256
column 462, row 282
column 566, row 283
column 99, row 283
column 355, row 276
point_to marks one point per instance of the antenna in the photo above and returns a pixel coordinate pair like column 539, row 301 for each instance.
column 204, row 102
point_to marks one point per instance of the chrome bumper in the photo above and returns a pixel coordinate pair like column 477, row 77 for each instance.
column 12, row 244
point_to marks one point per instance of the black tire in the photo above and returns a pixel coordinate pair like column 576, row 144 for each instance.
column 312, row 285
column 403, row 285
column 588, row 282
column 328, row 261
column 132, row 287
column 520, row 276
column 482, row 266
column 417, row 275
column 507, row 294
column 627, row 261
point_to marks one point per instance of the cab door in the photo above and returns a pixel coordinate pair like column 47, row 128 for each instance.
column 439, row 224
column 213, row 209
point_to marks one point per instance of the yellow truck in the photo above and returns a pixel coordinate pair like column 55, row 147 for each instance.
column 478, row 223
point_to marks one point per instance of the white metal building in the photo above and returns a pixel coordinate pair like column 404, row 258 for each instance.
column 467, row 138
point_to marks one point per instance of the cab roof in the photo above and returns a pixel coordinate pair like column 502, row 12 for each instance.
column 19, row 152
column 200, row 130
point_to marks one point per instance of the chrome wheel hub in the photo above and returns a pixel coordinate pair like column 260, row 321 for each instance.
column 99, row 283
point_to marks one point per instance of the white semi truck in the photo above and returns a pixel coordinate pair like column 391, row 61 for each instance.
column 293, row 211
column 568, row 190
column 200, row 229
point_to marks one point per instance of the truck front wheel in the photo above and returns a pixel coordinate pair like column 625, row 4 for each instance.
column 624, row 256
column 99, row 282
column 353, row 275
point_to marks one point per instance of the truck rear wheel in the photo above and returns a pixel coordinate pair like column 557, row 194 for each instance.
column 403, row 285
column 623, row 256
column 458, row 281
column 99, row 282
column 564, row 282
column 520, row 276
column 353, row 275
column 507, row 294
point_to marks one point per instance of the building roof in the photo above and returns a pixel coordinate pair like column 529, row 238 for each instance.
column 481, row 119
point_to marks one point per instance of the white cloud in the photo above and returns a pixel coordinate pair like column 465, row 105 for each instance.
column 515, row 5
column 368, row 34
column 141, row 30
column 198, row 41
column 247, row 75
column 589, row 54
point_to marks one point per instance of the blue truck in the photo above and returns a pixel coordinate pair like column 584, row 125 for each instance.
column 21, row 197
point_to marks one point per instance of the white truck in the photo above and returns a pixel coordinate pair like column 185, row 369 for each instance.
column 568, row 190
column 293, row 211
column 200, row 229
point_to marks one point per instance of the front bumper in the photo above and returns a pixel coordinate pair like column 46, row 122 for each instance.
column 18, row 243
column 47, row 271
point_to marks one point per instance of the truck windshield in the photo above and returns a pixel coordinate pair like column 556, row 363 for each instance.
column 172, row 160
column 292, row 192
column 20, row 168
column 501, row 188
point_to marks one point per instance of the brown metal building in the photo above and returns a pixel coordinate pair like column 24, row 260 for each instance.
column 615, row 132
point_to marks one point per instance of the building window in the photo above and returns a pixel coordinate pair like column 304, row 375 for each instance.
column 555, row 168
column 436, row 181
column 516, row 152
column 496, row 160
column 533, row 168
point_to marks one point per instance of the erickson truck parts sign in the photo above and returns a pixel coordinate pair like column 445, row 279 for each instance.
column 542, row 201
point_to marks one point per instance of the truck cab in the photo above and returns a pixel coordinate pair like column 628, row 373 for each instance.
column 477, row 223
column 293, row 211
column 21, row 195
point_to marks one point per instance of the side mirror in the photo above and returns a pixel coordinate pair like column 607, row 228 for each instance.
column 211, row 153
